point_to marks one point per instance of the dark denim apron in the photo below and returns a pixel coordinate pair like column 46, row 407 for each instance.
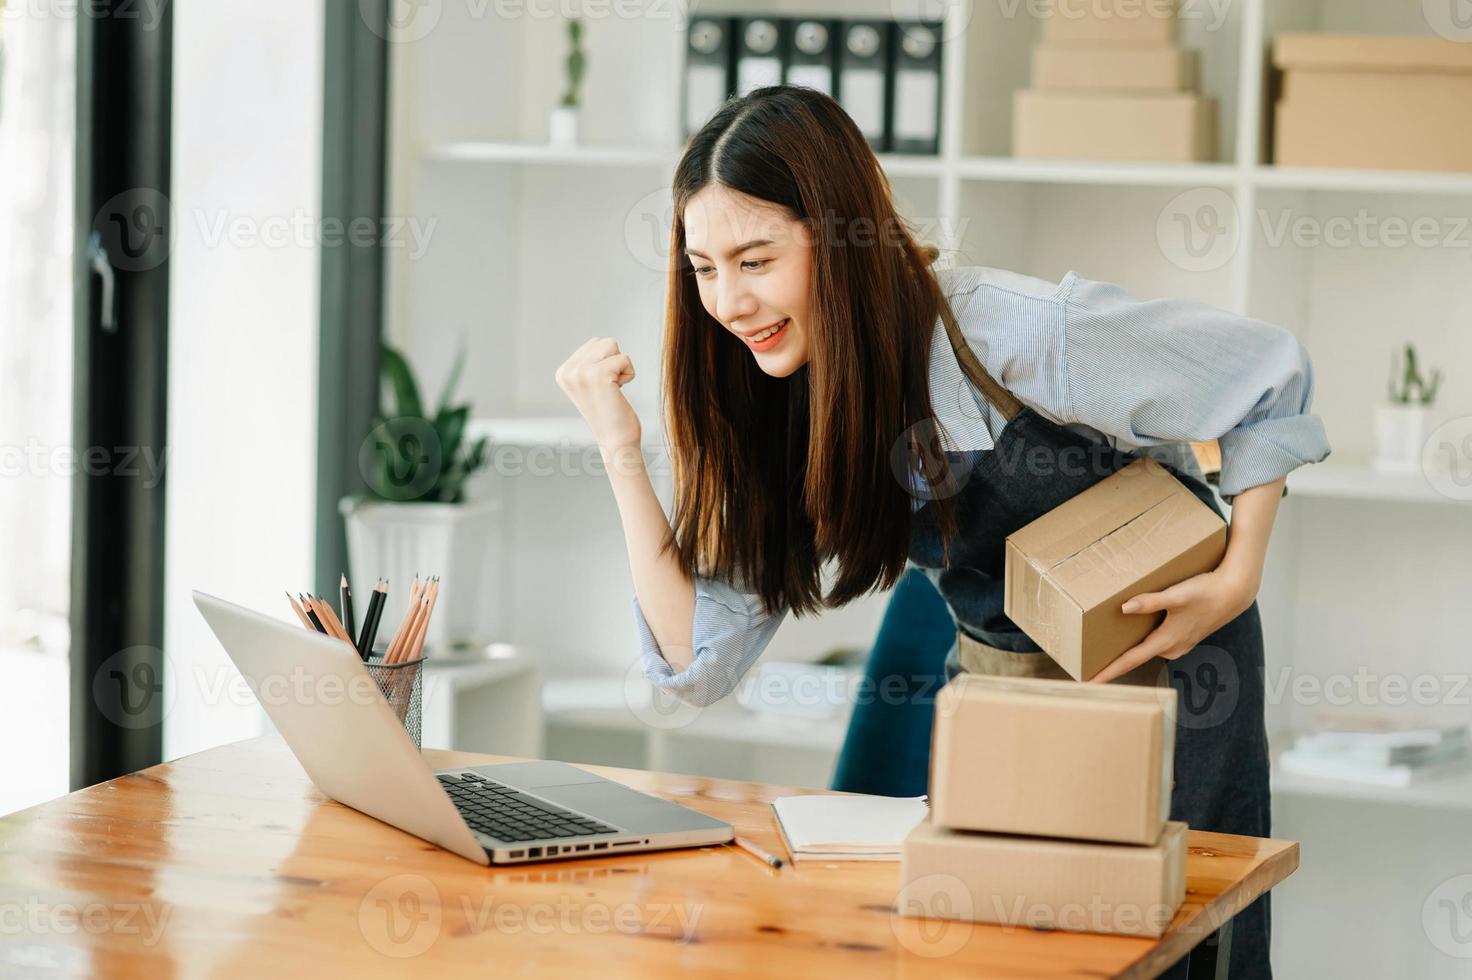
column 1221, row 756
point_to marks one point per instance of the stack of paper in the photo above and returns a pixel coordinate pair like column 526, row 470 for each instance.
column 1382, row 756
column 847, row 828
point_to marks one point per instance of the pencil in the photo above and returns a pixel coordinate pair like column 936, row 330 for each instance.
column 348, row 621
column 400, row 634
column 404, row 639
column 300, row 612
column 416, row 629
column 315, row 605
column 333, row 623
column 434, row 595
column 370, row 619
column 312, row 615
column 757, row 852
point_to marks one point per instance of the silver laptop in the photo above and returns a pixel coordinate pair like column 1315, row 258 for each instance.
column 331, row 713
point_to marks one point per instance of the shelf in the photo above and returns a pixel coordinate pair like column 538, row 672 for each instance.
column 1098, row 172
column 473, row 151
column 1345, row 179
column 663, row 158
column 532, row 431
column 1356, row 479
column 1449, row 792
column 602, row 703
column 997, row 168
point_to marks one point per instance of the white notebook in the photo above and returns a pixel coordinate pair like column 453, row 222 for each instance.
column 847, row 828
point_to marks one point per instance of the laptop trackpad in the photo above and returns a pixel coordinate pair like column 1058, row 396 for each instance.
column 621, row 805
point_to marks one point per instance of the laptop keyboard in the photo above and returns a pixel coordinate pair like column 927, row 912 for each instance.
column 507, row 814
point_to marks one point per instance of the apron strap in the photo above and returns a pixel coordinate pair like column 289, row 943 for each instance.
column 1002, row 399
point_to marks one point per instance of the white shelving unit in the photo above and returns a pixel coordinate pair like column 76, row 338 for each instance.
column 537, row 248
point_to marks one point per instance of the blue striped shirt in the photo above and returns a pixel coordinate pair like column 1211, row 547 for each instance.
column 1148, row 375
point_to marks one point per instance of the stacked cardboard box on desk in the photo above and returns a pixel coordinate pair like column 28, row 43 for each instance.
column 1049, row 808
column 1109, row 83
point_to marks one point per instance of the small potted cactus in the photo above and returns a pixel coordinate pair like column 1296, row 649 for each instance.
column 1401, row 423
column 562, row 123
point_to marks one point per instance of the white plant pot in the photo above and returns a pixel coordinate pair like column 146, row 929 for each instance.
column 562, row 126
column 457, row 542
column 1400, row 433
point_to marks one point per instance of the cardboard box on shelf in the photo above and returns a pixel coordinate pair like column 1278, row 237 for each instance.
column 1043, row 884
column 1015, row 755
column 1112, row 67
column 1390, row 103
column 1174, row 127
column 1111, row 21
column 1068, row 572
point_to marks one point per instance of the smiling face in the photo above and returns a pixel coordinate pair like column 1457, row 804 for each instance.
column 753, row 264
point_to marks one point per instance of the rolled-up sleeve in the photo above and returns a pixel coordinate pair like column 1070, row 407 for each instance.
column 1173, row 370
column 731, row 630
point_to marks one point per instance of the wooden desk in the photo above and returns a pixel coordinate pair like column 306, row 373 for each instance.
column 230, row 863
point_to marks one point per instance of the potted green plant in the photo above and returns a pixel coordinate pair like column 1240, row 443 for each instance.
column 1401, row 423
column 562, row 123
column 416, row 518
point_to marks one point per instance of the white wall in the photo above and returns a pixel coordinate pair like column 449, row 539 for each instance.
column 243, row 346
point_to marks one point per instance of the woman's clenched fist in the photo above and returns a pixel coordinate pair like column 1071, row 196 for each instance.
column 593, row 377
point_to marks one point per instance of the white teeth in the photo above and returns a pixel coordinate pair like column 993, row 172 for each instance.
column 768, row 332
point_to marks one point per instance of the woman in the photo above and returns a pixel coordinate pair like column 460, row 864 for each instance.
column 812, row 360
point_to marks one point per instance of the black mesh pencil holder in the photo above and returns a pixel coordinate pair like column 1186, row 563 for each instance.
column 402, row 685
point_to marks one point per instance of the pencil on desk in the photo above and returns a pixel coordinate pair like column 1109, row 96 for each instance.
column 757, row 852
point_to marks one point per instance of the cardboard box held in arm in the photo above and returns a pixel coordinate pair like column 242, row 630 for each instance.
column 1043, row 884
column 1388, row 103
column 1170, row 127
column 1022, row 755
column 1111, row 21
column 1068, row 572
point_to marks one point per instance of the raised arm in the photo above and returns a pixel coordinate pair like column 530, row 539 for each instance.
column 697, row 635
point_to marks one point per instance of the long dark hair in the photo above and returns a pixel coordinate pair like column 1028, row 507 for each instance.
column 776, row 476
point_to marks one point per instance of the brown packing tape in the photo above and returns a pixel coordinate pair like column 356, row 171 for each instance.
column 1134, row 550
column 1067, row 573
column 1112, row 502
